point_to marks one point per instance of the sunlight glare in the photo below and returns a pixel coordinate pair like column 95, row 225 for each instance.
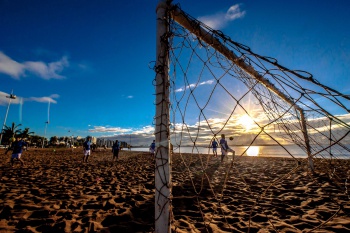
column 253, row 151
column 246, row 122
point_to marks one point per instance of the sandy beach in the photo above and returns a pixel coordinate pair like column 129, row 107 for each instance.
column 56, row 192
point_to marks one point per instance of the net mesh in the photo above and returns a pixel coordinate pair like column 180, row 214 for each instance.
column 219, row 86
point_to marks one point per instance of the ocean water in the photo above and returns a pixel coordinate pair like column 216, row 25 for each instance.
column 265, row 151
column 288, row 151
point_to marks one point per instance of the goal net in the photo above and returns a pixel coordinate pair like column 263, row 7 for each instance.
column 216, row 86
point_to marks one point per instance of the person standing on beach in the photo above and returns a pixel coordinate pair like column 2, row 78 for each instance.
column 17, row 149
column 152, row 147
column 115, row 150
column 225, row 148
column 214, row 144
column 87, row 149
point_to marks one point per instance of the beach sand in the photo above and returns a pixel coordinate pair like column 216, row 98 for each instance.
column 56, row 192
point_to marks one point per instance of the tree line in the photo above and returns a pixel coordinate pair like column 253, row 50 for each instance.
column 9, row 133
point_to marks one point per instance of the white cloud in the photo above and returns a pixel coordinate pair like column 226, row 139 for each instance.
column 119, row 131
column 128, row 96
column 234, row 12
column 41, row 69
column 145, row 130
column 44, row 99
column 11, row 67
column 202, row 132
column 220, row 20
column 209, row 82
column 104, row 129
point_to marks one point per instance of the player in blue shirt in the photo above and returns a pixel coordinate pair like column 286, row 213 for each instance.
column 115, row 150
column 17, row 149
column 152, row 147
column 87, row 149
column 214, row 145
column 224, row 147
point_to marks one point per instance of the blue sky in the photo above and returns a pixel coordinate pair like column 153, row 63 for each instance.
column 91, row 59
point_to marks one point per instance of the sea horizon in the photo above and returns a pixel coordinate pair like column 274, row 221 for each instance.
column 287, row 151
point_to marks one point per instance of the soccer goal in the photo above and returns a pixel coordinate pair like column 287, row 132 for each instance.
column 208, row 85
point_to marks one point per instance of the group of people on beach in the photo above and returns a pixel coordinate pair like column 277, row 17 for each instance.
column 18, row 145
column 225, row 149
column 87, row 149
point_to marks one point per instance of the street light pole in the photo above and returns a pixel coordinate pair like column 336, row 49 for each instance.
column 46, row 123
column 71, row 140
column 11, row 97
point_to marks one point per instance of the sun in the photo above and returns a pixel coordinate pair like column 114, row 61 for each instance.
column 246, row 122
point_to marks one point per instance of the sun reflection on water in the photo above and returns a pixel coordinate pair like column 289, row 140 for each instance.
column 253, row 151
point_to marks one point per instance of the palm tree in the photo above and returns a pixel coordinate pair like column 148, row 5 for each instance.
column 36, row 140
column 53, row 140
column 60, row 139
column 9, row 133
column 25, row 133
